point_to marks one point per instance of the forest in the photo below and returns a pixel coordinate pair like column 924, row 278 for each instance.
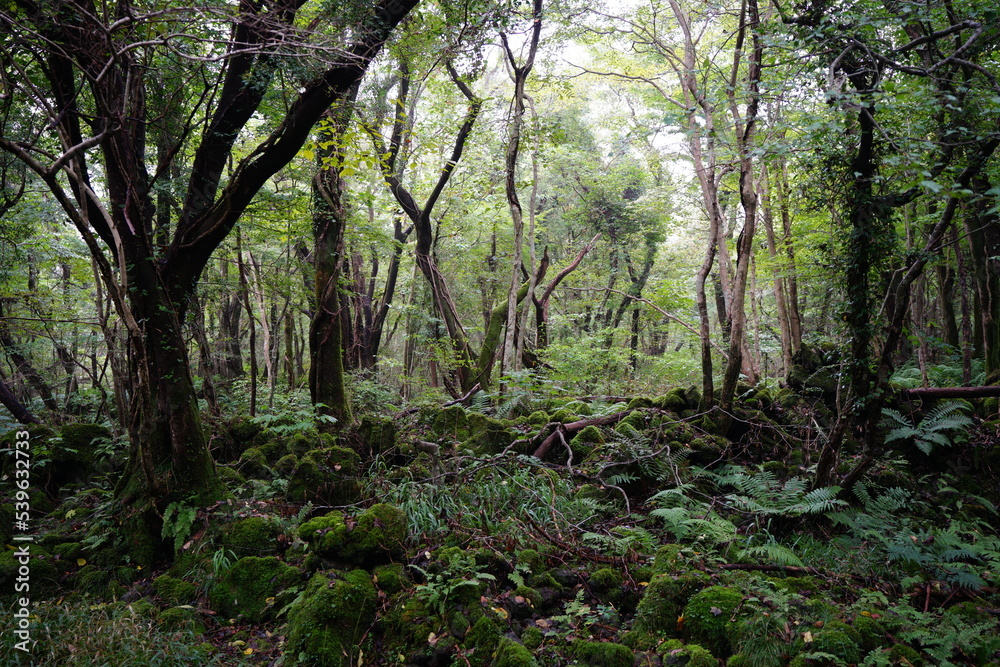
column 493, row 333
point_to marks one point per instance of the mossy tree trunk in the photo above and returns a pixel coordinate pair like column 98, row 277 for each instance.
column 90, row 71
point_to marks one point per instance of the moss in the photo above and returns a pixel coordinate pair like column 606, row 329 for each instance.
column 452, row 422
column 327, row 624
column 663, row 601
column 513, row 654
column 584, row 443
column 248, row 585
column 77, row 444
column 255, row 536
column 581, row 408
column 531, row 558
column 800, row 585
column 870, row 631
column 707, row 448
column 523, row 602
column 328, row 476
column 602, row 654
column 390, row 578
column 378, row 432
column 230, row 477
column 41, row 571
column 286, row 465
column 253, row 464
column 668, row 559
column 180, row 618
column 173, row 590
column 375, row 536
column 699, row 656
column 606, row 584
column 538, row 418
column 707, row 618
column 488, row 435
column 483, row 637
column 674, row 400
column 636, row 419
column 68, row 551
column 640, row 402
column 835, row 641
column 901, row 654
column 565, row 416
column 274, row 449
column 532, row 638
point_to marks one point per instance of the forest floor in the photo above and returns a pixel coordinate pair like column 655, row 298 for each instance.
column 538, row 531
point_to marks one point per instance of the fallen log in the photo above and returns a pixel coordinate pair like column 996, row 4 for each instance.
column 573, row 428
column 952, row 392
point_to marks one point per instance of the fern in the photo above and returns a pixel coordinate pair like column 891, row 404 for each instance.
column 942, row 426
column 763, row 494
column 773, row 553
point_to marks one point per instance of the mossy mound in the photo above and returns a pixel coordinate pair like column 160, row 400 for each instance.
column 238, row 435
column 173, row 590
column 249, row 584
column 659, row 610
column 253, row 464
column 451, row 422
column 375, row 536
column 327, row 624
column 177, row 619
column 255, row 536
column 328, row 476
column 488, row 435
column 28, row 564
column 513, row 654
column 602, row 654
column 708, row 618
column 606, row 585
column 675, row 653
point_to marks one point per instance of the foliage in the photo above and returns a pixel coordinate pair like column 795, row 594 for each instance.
column 763, row 494
column 178, row 519
column 73, row 633
column 941, row 427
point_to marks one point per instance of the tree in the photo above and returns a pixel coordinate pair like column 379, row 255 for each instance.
column 938, row 56
column 89, row 72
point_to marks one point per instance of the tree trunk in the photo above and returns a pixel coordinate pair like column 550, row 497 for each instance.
column 326, row 344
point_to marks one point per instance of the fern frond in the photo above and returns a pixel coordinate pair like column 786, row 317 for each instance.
column 772, row 553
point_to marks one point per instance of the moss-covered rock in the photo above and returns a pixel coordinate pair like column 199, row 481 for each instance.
column 837, row 642
column 451, row 422
column 375, row 536
column 286, row 465
column 231, row 477
column 31, row 564
column 328, row 476
column 707, row 448
column 586, row 441
column 532, row 638
column 253, row 464
column 249, row 586
column 379, row 433
column 173, row 590
column 483, row 638
column 602, row 654
column 255, row 536
column 513, row 654
column 390, row 578
column 538, row 418
column 606, row 585
column 659, row 610
column 327, row 624
column 488, row 435
column 180, row 618
column 708, row 618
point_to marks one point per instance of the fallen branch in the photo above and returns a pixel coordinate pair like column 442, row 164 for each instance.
column 952, row 392
column 563, row 430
